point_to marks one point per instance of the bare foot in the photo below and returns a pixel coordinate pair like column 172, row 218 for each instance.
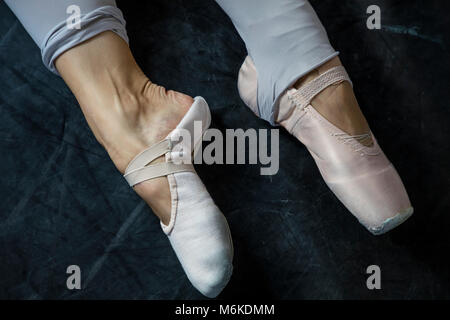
column 146, row 121
column 126, row 112
column 134, row 124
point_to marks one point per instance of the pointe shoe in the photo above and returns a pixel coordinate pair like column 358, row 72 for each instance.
column 360, row 176
column 198, row 231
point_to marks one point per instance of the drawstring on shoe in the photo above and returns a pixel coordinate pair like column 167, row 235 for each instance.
column 355, row 141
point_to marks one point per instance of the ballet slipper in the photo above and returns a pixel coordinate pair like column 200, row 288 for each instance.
column 358, row 173
column 198, row 231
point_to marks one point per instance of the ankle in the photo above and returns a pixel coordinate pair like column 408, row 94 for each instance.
column 337, row 103
column 125, row 111
column 127, row 119
column 114, row 110
column 132, row 119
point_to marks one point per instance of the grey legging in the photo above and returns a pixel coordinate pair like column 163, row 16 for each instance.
column 284, row 37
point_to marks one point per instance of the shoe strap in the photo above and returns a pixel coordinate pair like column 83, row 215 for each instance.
column 148, row 155
column 304, row 95
column 156, row 170
column 139, row 170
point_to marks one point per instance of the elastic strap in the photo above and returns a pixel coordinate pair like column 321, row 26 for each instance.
column 307, row 92
column 156, row 170
column 139, row 169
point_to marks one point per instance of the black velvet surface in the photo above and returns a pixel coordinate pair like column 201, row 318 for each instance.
column 62, row 202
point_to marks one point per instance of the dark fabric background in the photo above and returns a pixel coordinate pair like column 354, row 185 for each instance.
column 62, row 202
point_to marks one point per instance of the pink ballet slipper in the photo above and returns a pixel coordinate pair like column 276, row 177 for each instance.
column 197, row 231
column 360, row 176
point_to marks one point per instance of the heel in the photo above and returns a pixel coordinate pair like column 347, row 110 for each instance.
column 248, row 84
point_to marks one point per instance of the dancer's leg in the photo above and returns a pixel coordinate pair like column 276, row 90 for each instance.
column 128, row 113
column 285, row 40
column 125, row 111
column 289, row 50
column 46, row 22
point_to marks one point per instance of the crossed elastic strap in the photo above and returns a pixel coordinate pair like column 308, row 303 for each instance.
column 307, row 92
column 140, row 169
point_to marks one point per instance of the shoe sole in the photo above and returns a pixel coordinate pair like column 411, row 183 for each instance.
column 392, row 222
